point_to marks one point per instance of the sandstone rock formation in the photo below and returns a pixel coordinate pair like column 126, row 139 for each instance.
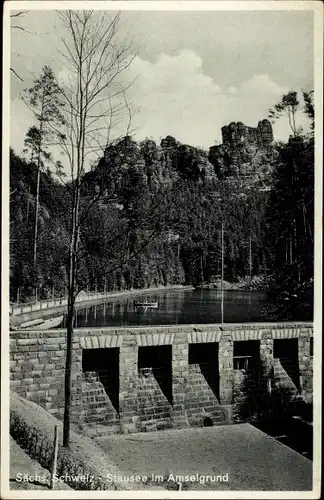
column 237, row 133
column 245, row 151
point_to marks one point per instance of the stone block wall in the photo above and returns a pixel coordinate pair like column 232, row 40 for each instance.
column 128, row 381
column 283, row 379
column 97, row 407
column 153, row 407
column 245, row 395
column 180, row 375
column 305, row 359
column 37, row 362
column 226, row 372
column 201, row 404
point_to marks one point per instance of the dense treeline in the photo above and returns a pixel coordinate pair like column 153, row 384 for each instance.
column 138, row 183
column 163, row 205
column 291, row 220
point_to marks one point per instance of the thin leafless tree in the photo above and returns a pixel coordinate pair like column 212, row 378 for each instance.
column 94, row 104
column 14, row 16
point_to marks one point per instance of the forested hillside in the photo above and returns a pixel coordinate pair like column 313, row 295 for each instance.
column 152, row 215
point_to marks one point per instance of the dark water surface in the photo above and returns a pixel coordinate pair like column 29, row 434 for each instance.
column 176, row 307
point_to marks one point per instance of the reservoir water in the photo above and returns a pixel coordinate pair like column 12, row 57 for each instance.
column 176, row 307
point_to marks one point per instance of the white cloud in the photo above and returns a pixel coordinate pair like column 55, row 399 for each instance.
column 261, row 84
column 175, row 97
column 21, row 118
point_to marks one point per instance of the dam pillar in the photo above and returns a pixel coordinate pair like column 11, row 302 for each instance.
column 226, row 373
column 180, row 373
column 266, row 373
column 305, row 362
column 266, row 362
column 76, row 389
column 128, row 379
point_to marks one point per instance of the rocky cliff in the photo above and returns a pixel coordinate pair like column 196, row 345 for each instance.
column 236, row 134
column 245, row 152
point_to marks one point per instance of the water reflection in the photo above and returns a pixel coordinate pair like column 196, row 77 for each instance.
column 176, row 307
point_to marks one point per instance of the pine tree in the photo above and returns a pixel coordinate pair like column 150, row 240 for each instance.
column 44, row 100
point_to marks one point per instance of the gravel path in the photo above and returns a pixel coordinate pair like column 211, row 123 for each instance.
column 252, row 459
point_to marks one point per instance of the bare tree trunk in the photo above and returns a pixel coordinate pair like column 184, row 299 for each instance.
column 250, row 261
column 201, row 267
column 222, row 278
column 36, row 219
column 68, row 373
column 96, row 60
column 294, row 123
column 70, row 318
column 38, row 183
column 27, row 211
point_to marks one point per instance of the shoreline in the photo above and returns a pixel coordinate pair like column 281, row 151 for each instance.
column 48, row 313
column 17, row 320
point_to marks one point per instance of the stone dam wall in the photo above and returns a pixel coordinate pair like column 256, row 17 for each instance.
column 151, row 378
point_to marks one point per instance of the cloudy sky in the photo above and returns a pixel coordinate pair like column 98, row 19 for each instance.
column 197, row 70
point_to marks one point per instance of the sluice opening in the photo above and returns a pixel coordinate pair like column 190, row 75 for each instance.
column 246, row 365
column 205, row 358
column 102, row 365
column 246, row 356
column 157, row 360
column 286, row 366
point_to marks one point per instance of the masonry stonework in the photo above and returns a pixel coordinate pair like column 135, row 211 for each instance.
column 37, row 362
column 226, row 373
column 180, row 375
column 305, row 358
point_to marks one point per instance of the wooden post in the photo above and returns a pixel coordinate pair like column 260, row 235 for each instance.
column 18, row 296
column 53, row 292
column 222, row 279
column 36, row 294
column 54, row 465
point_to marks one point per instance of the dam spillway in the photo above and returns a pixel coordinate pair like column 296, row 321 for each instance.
column 149, row 378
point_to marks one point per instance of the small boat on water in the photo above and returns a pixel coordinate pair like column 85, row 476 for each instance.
column 146, row 304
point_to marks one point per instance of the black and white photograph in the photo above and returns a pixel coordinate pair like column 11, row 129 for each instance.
column 161, row 249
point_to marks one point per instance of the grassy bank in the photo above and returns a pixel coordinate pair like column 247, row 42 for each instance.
column 32, row 427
